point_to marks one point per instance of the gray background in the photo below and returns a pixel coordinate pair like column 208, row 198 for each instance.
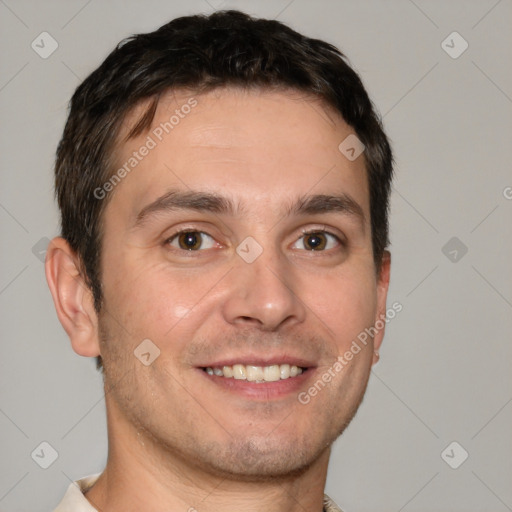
column 445, row 365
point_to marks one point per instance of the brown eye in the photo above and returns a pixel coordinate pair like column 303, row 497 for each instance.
column 191, row 241
column 317, row 241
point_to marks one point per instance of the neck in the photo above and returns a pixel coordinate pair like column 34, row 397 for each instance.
column 141, row 475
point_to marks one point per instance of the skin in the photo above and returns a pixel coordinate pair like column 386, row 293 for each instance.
column 177, row 438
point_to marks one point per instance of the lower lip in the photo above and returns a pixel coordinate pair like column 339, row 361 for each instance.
column 263, row 390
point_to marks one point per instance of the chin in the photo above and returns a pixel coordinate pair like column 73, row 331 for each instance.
column 261, row 459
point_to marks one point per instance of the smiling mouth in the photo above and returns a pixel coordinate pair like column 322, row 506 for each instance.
column 257, row 374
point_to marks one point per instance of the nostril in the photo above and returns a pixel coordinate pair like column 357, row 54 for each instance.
column 248, row 320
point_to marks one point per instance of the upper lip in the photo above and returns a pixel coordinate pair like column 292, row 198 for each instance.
column 260, row 361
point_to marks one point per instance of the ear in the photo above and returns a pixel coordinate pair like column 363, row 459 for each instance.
column 72, row 298
column 382, row 293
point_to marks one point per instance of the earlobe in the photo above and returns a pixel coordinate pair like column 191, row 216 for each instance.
column 72, row 298
column 382, row 293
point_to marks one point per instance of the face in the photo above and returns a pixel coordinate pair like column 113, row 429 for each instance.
column 239, row 244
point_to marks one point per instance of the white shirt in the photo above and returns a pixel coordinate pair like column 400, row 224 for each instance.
column 75, row 501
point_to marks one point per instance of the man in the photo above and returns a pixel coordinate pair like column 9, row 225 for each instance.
column 223, row 185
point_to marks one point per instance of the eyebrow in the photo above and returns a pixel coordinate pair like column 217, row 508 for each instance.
column 207, row 202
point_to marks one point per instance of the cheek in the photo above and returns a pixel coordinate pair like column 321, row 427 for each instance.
column 156, row 301
column 345, row 304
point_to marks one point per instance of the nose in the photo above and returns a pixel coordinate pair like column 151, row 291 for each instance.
column 262, row 294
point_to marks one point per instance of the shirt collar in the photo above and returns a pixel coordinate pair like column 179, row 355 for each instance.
column 74, row 499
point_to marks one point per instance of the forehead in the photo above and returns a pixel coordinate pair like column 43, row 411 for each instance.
column 262, row 146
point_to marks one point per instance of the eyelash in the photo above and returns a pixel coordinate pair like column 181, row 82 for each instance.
column 304, row 233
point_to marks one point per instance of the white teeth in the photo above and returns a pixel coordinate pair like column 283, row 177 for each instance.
column 228, row 371
column 253, row 373
column 272, row 373
column 239, row 372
